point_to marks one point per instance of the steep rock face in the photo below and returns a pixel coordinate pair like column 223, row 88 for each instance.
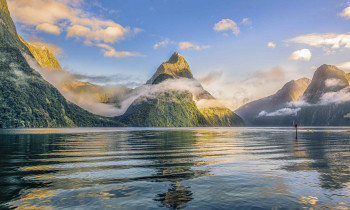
column 177, row 108
column 26, row 99
column 290, row 92
column 327, row 78
column 43, row 56
column 325, row 115
column 175, row 67
column 8, row 32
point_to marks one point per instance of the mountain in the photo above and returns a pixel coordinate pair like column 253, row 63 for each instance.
column 166, row 107
column 327, row 78
column 323, row 101
column 48, row 61
column 42, row 55
column 8, row 32
column 290, row 92
column 175, row 67
column 221, row 117
column 328, row 98
column 26, row 99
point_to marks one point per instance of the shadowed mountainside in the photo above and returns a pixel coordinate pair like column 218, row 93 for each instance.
column 323, row 101
column 290, row 92
column 26, row 99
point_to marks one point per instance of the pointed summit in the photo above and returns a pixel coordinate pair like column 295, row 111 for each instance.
column 175, row 67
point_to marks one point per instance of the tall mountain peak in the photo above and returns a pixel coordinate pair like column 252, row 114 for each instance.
column 175, row 67
column 175, row 57
column 327, row 78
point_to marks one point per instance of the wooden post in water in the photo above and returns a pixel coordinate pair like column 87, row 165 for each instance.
column 296, row 130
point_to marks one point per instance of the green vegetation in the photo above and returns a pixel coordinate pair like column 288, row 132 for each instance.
column 164, row 109
column 325, row 115
column 221, row 117
column 26, row 100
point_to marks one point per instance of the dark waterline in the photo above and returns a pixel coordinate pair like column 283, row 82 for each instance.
column 145, row 168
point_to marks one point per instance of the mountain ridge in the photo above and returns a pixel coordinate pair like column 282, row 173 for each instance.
column 175, row 67
column 318, row 86
column 291, row 91
column 42, row 55
column 317, row 106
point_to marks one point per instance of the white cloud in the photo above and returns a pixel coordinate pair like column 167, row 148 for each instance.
column 49, row 28
column 334, row 82
column 246, row 21
column 329, row 42
column 303, row 54
column 280, row 112
column 298, row 103
column 271, row 44
column 138, row 30
column 109, row 51
column 344, row 66
column 345, row 13
column 55, row 16
column 162, row 43
column 225, row 25
column 191, row 46
column 85, row 99
column 246, row 89
column 110, row 34
column 339, row 97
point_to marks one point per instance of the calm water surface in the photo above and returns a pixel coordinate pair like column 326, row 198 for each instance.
column 216, row 168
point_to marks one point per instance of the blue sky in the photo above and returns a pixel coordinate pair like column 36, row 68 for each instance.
column 237, row 55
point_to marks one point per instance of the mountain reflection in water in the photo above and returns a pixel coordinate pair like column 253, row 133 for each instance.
column 205, row 168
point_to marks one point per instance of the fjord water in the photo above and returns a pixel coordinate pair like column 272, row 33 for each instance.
column 207, row 168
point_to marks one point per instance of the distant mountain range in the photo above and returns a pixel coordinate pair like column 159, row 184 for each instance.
column 323, row 101
column 290, row 92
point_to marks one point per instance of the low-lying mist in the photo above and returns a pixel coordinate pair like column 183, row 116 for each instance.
column 112, row 100
column 86, row 95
